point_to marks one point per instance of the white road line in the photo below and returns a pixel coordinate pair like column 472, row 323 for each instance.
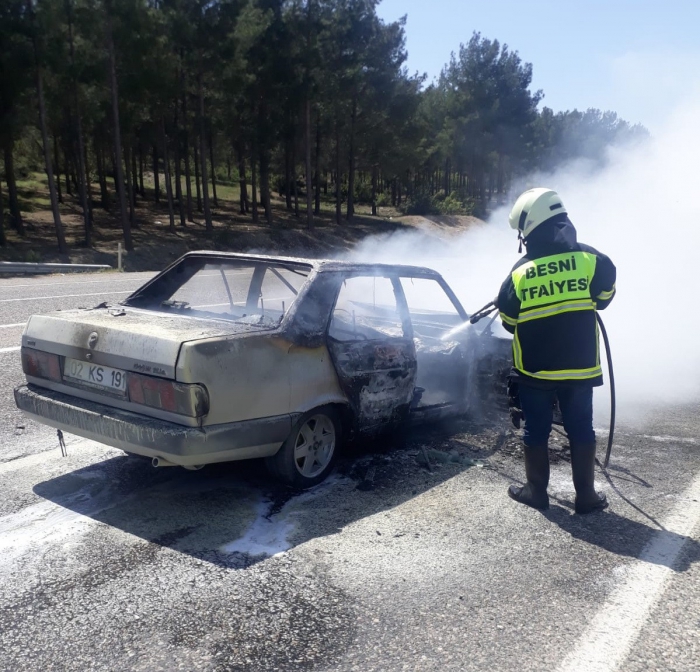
column 16, row 324
column 610, row 635
column 14, row 348
column 65, row 296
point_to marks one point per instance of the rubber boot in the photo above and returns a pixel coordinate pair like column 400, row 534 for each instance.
column 534, row 492
column 583, row 474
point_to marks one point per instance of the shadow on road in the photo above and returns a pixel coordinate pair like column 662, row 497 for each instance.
column 626, row 537
column 231, row 514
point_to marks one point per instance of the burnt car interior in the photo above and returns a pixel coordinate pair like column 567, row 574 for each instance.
column 388, row 310
column 255, row 293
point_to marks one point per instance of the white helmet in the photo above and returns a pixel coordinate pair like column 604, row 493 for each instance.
column 534, row 207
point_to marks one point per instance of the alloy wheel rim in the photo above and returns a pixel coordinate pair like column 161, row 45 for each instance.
column 314, row 446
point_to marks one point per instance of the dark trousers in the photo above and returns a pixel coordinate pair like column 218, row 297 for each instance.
column 575, row 402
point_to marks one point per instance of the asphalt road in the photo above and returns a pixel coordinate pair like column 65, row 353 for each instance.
column 109, row 564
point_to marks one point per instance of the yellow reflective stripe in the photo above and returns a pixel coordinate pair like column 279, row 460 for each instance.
column 517, row 352
column 604, row 296
column 508, row 320
column 564, row 307
column 580, row 374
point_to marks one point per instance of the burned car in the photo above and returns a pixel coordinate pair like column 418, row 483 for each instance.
column 231, row 356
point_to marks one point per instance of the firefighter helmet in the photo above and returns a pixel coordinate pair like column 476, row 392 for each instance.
column 534, row 207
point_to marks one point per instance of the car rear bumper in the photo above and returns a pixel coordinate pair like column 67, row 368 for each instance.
column 133, row 433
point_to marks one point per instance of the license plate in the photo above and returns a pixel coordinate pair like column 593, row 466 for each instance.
column 94, row 375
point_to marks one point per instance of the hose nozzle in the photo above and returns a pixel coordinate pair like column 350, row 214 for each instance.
column 483, row 312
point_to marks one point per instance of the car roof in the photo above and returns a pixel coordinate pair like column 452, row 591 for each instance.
column 322, row 265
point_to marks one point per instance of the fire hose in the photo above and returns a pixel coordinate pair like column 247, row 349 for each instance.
column 491, row 307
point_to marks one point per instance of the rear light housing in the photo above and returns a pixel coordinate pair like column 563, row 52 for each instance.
column 40, row 364
column 167, row 395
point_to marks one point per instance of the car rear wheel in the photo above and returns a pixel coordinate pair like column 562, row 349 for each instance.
column 308, row 454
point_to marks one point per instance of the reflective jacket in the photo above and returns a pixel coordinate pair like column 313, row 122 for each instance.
column 549, row 303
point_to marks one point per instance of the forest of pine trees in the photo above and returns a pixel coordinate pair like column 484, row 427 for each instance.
column 309, row 99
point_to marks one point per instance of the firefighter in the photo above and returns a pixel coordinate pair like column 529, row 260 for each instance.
column 549, row 303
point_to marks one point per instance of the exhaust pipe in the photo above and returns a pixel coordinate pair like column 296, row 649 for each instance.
column 160, row 462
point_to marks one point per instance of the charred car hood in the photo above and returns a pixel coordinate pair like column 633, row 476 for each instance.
column 134, row 340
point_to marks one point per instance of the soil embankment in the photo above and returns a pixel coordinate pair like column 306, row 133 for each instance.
column 156, row 244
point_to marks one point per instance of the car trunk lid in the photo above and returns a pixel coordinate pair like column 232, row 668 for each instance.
column 142, row 341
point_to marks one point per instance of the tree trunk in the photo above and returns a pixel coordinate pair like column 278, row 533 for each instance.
column 374, row 190
column 351, row 163
column 295, row 188
column 134, row 173
column 186, row 150
column 57, row 167
column 15, row 213
column 213, row 171
column 83, row 175
column 88, row 192
column 142, row 190
column 67, row 168
column 60, row 236
column 265, row 185
column 254, row 185
column 166, row 175
column 338, row 199
column 196, row 176
column 317, row 204
column 309, row 201
column 101, row 176
column 83, row 179
column 501, row 175
column 156, row 175
column 203, row 156
column 287, row 176
column 242, row 187
column 2, row 218
column 119, row 177
column 178, row 175
column 129, row 181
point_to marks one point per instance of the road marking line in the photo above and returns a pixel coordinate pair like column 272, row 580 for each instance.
column 51, row 454
column 14, row 348
column 610, row 635
column 64, row 296
column 17, row 324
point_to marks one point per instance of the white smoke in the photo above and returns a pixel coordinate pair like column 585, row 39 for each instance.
column 643, row 210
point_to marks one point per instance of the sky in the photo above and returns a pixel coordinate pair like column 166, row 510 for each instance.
column 640, row 58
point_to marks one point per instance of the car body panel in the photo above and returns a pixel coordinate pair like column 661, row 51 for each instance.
column 260, row 375
column 246, row 377
column 134, row 433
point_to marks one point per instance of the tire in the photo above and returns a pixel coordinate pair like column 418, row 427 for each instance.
column 309, row 452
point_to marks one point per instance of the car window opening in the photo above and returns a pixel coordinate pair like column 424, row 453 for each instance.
column 255, row 294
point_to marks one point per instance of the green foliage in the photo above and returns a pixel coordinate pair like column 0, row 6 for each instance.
column 439, row 204
column 253, row 68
